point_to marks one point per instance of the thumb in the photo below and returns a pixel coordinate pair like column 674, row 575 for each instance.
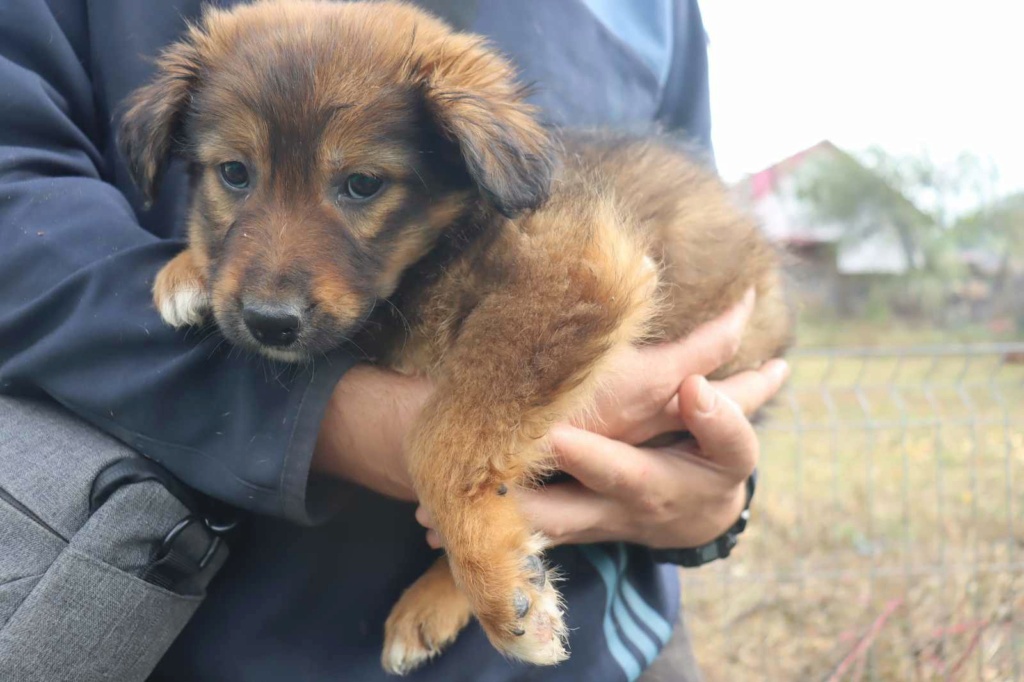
column 724, row 434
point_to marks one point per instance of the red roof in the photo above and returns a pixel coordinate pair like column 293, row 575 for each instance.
column 766, row 181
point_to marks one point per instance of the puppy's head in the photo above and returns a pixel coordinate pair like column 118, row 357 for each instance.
column 330, row 145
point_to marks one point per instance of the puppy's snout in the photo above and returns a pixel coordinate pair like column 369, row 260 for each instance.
column 272, row 324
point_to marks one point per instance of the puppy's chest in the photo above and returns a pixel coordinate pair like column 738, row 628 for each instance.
column 418, row 329
column 414, row 331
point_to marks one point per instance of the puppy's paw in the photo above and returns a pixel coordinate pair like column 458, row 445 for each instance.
column 427, row 618
column 179, row 292
column 533, row 630
column 183, row 307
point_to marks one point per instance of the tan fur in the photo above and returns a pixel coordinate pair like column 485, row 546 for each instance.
column 425, row 620
column 510, row 286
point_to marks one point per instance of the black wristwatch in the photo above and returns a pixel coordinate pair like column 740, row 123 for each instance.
column 720, row 548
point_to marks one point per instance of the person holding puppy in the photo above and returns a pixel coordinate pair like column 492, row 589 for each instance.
column 323, row 445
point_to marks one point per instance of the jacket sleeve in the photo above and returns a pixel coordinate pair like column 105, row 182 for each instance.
column 76, row 321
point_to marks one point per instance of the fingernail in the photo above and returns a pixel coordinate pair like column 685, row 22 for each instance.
column 706, row 396
column 748, row 298
column 782, row 369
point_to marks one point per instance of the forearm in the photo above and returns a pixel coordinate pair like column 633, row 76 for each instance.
column 361, row 437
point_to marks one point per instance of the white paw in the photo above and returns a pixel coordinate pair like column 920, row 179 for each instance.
column 185, row 306
column 398, row 659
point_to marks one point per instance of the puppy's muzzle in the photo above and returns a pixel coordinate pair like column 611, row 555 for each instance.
column 273, row 324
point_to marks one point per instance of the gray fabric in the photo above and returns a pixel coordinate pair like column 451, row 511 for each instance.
column 128, row 546
column 26, row 552
column 87, row 621
column 50, row 458
column 676, row 662
column 75, row 609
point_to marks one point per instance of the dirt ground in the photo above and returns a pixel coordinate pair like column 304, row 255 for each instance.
column 887, row 538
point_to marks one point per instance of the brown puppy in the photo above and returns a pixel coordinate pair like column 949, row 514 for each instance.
column 361, row 172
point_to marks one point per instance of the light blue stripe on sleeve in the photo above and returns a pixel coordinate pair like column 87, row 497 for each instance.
column 651, row 618
column 636, row 635
column 606, row 569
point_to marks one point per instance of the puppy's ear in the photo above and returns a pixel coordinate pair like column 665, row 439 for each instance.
column 154, row 115
column 473, row 95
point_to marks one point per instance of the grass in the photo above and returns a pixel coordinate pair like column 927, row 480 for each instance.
column 887, row 539
column 817, row 331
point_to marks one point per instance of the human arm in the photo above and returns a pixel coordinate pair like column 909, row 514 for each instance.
column 677, row 496
column 76, row 320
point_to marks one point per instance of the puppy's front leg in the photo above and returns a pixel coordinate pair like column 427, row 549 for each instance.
column 522, row 360
column 180, row 293
column 526, row 355
column 467, row 473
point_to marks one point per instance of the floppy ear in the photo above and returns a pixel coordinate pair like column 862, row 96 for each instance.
column 154, row 116
column 473, row 95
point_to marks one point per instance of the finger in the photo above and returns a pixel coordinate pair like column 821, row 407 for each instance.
column 434, row 539
column 424, row 517
column 568, row 513
column 706, row 348
column 724, row 434
column 601, row 464
column 751, row 390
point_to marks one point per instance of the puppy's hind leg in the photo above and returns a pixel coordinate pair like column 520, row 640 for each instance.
column 426, row 619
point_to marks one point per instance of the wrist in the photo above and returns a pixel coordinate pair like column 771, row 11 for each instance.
column 731, row 509
column 718, row 548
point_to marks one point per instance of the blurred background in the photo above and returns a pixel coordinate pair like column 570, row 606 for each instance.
column 879, row 143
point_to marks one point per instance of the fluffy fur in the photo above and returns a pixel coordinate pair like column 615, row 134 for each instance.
column 507, row 278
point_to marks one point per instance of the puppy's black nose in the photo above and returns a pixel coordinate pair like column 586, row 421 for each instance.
column 272, row 324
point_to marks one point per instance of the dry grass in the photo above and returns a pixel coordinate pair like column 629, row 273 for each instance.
column 887, row 541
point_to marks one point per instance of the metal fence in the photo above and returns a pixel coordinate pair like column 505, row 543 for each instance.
column 887, row 541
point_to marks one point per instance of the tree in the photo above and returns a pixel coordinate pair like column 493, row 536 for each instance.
column 865, row 198
column 998, row 226
column 915, row 196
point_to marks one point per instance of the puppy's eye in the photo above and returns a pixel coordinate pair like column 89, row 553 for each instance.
column 234, row 174
column 361, row 186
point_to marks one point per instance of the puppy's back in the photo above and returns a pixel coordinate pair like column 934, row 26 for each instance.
column 708, row 251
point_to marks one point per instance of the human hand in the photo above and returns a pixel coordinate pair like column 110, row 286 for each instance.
column 682, row 495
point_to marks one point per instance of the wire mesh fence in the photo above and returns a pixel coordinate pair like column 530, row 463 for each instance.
column 887, row 541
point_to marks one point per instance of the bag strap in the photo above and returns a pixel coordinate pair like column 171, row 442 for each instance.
column 135, row 470
column 190, row 547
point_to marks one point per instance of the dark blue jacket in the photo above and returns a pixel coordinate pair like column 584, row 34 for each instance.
column 77, row 260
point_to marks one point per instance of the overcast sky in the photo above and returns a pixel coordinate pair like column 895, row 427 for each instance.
column 904, row 74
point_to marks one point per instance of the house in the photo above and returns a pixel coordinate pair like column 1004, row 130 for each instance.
column 833, row 263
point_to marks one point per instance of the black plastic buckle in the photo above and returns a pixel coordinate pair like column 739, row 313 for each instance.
column 180, row 562
column 183, row 555
column 168, row 544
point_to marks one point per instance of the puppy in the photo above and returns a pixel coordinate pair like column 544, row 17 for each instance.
column 360, row 172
